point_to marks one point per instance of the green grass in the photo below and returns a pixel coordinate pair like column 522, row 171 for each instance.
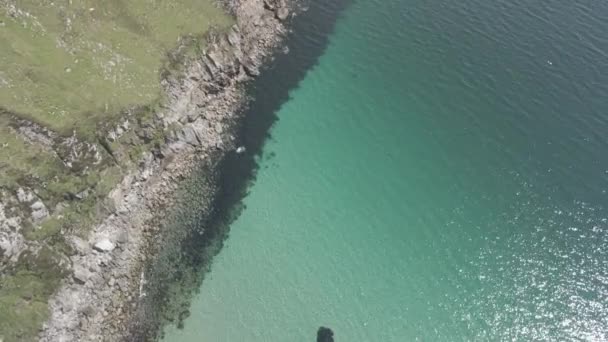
column 35, row 166
column 70, row 64
column 24, row 294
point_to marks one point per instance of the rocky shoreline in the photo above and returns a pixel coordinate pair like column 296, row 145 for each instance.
column 100, row 298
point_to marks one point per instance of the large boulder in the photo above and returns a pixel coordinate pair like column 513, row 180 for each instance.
column 104, row 245
column 188, row 135
column 81, row 274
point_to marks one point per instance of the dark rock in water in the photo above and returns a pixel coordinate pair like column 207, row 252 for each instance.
column 325, row 335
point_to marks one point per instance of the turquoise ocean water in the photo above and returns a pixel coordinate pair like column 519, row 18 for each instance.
column 440, row 174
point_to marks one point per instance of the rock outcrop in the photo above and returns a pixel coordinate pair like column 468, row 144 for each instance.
column 11, row 241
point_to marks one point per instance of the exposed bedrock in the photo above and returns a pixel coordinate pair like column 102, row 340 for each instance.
column 98, row 299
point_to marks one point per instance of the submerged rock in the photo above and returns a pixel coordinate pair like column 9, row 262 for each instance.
column 325, row 335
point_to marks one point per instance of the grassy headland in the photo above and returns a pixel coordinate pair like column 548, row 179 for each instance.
column 74, row 69
column 67, row 64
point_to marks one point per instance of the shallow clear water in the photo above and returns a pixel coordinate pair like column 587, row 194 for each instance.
column 440, row 174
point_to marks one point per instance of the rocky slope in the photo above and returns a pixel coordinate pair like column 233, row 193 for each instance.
column 97, row 299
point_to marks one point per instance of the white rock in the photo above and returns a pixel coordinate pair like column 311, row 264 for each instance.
column 11, row 244
column 39, row 211
column 81, row 275
column 24, row 196
column 104, row 245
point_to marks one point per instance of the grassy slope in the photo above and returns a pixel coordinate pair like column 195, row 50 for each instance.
column 71, row 65
column 64, row 61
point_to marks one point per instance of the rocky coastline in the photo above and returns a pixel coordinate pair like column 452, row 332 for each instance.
column 100, row 297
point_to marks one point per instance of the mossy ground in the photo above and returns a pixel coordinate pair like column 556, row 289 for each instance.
column 24, row 294
column 74, row 66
